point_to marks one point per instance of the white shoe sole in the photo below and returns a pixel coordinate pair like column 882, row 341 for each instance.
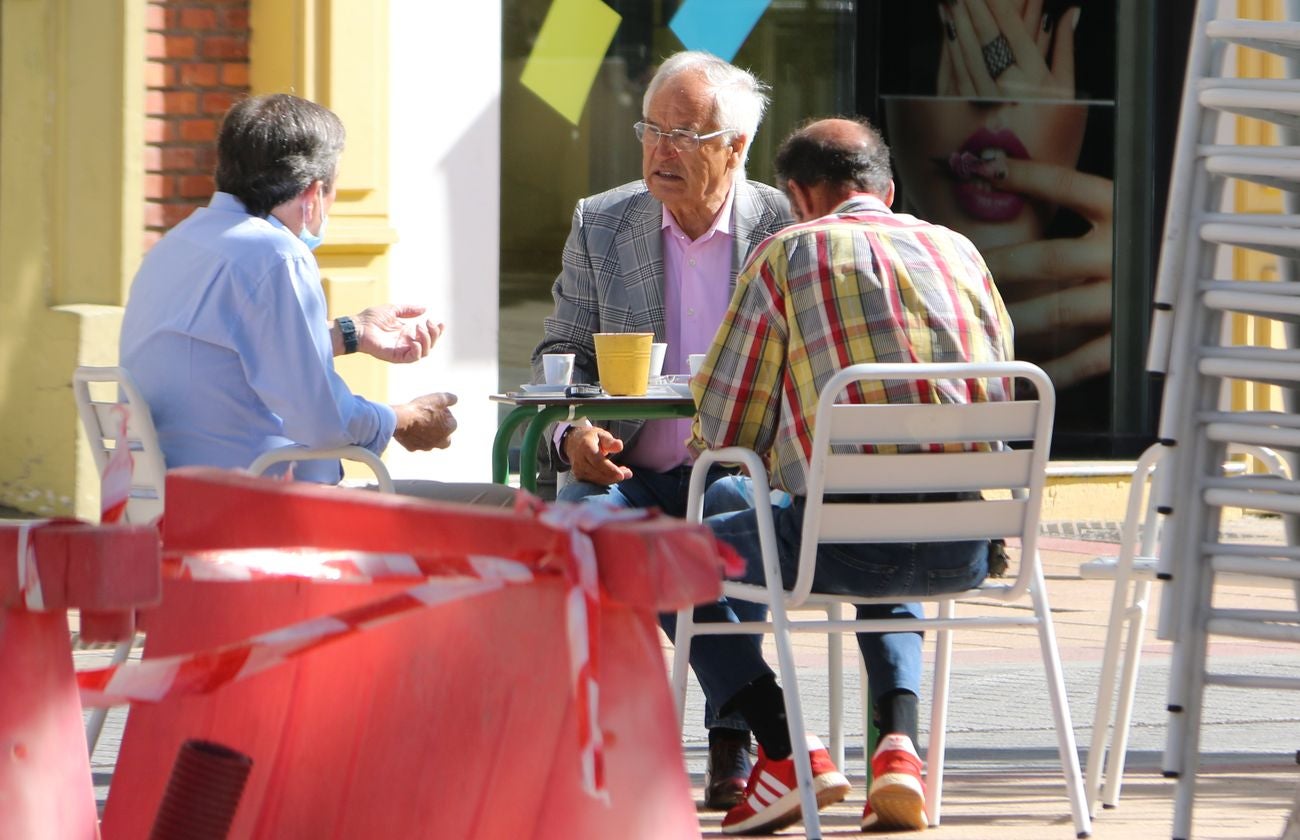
column 829, row 787
column 897, row 804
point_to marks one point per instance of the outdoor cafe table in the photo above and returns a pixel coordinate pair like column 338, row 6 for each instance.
column 541, row 410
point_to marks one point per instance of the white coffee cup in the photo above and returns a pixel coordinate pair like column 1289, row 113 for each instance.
column 695, row 361
column 558, row 368
column 657, row 351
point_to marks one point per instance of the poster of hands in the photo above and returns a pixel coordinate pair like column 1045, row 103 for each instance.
column 1000, row 116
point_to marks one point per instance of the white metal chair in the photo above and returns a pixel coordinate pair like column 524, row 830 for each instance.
column 106, row 396
column 1133, row 570
column 281, row 454
column 1012, row 479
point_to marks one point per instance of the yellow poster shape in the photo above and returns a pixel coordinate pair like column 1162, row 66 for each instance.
column 568, row 53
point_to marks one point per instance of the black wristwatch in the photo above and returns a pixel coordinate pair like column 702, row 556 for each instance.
column 349, row 332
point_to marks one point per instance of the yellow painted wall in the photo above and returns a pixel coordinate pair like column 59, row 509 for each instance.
column 71, row 140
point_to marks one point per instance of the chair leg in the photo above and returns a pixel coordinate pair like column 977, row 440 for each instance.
column 1060, row 706
column 835, row 686
column 1184, row 733
column 1120, row 618
column 937, row 747
column 681, row 660
column 794, row 719
column 95, row 724
column 1127, row 691
column 869, row 734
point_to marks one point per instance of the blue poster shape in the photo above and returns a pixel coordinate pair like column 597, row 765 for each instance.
column 716, row 26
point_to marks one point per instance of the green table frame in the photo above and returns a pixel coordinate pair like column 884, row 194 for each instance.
column 540, row 411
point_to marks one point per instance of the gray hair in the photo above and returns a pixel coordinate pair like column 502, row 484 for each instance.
column 739, row 98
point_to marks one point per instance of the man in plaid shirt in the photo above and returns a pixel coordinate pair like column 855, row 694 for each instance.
column 851, row 283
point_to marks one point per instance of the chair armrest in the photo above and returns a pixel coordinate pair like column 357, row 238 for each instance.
column 293, row 452
column 757, row 470
column 753, row 464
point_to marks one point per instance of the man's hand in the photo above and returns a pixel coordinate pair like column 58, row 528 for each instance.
column 382, row 333
column 425, row 422
column 587, row 449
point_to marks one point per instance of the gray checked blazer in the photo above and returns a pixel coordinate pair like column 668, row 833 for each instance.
column 612, row 278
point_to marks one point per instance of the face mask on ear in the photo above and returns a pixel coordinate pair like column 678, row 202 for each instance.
column 313, row 240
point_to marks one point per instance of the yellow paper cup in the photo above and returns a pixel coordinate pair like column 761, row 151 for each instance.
column 623, row 362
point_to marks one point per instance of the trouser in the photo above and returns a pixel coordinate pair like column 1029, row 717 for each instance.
column 668, row 491
column 726, row 664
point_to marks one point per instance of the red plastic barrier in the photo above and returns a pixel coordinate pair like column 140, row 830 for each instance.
column 45, row 784
column 457, row 721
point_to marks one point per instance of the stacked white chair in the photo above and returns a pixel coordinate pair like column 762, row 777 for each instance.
column 1012, row 481
column 1133, row 571
column 1188, row 344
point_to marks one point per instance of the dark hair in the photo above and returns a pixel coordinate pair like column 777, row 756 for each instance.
column 271, row 148
column 810, row 157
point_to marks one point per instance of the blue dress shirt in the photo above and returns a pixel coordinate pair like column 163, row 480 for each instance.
column 226, row 334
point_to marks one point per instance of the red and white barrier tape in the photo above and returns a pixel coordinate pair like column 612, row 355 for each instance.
column 154, row 680
column 582, row 609
column 313, row 564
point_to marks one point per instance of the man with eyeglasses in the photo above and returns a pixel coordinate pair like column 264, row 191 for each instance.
column 661, row 255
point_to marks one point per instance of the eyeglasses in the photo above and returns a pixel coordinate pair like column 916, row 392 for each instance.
column 679, row 138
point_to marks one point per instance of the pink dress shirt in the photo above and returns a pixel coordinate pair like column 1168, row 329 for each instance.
column 697, row 290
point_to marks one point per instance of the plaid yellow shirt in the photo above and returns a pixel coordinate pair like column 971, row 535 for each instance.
column 861, row 285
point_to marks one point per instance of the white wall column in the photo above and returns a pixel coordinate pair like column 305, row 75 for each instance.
column 445, row 181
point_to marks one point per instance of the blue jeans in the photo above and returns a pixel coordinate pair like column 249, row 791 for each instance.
column 668, row 491
column 726, row 664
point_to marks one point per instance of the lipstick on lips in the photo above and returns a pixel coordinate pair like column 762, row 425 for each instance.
column 980, row 161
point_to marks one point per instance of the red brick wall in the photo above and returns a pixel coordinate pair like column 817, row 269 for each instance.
column 196, row 65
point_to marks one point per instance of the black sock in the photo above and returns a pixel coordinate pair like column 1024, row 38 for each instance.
column 763, row 707
column 897, row 712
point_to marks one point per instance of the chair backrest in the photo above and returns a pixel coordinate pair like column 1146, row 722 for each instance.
column 943, row 448
column 103, row 395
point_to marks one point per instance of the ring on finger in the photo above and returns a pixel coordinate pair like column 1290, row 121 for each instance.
column 998, row 56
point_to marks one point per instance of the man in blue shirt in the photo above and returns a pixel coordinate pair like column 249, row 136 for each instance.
column 226, row 331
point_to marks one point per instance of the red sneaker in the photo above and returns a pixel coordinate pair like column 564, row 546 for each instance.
column 772, row 797
column 896, row 800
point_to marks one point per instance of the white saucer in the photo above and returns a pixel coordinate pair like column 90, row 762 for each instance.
column 539, row 388
column 681, row 389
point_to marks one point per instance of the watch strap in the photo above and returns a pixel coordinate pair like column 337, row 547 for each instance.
column 348, row 329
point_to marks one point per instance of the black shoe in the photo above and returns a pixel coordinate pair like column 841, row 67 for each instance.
column 728, row 769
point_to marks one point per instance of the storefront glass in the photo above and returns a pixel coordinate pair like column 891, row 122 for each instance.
column 804, row 49
column 1004, row 117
